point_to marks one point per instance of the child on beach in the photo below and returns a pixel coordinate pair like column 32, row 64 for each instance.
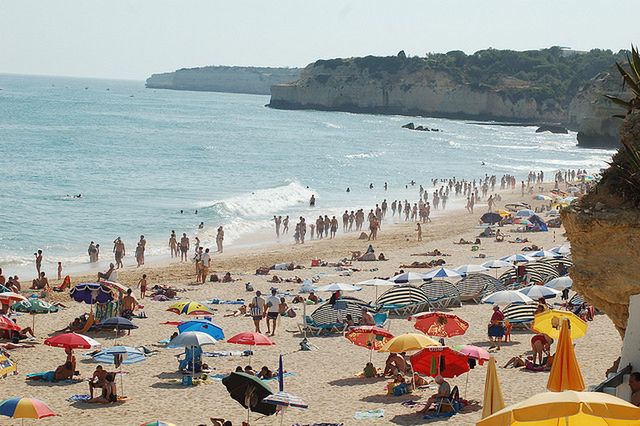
column 143, row 285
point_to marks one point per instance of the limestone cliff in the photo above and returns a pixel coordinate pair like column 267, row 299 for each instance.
column 250, row 80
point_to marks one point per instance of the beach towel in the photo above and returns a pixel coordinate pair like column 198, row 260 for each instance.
column 371, row 414
column 46, row 376
column 224, row 302
column 79, row 398
column 227, row 353
column 289, row 374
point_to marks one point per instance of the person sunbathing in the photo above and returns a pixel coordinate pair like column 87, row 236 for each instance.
column 366, row 318
column 370, row 371
column 265, row 373
column 312, row 297
column 350, row 323
column 463, row 241
column 241, row 311
column 249, row 370
column 220, row 422
column 395, row 364
column 227, row 278
column 64, row 372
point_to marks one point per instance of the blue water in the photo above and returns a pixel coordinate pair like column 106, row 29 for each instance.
column 138, row 156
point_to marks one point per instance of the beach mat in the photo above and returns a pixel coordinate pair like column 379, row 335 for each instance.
column 371, row 414
column 227, row 353
column 79, row 398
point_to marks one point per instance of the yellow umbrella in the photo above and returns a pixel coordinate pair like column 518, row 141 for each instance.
column 565, row 371
column 504, row 213
column 408, row 342
column 549, row 322
column 189, row 308
column 493, row 400
column 567, row 408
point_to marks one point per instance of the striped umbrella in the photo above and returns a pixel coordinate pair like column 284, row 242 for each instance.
column 408, row 277
column 119, row 355
column 441, row 273
column 470, row 269
column 189, row 308
column 547, row 254
column 25, row 408
column 560, row 283
column 283, row 398
column 517, row 258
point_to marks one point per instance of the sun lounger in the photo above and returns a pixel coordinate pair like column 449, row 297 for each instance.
column 310, row 325
column 381, row 319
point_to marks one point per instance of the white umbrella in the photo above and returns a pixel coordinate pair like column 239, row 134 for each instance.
column 471, row 269
column 441, row 273
column 408, row 277
column 518, row 258
column 377, row 282
column 505, row 297
column 535, row 292
column 495, row 264
column 545, row 254
column 563, row 249
column 525, row 213
column 191, row 339
column 338, row 287
column 560, row 283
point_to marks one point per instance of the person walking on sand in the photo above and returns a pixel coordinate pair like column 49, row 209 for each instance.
column 256, row 309
column 139, row 254
column 143, row 247
column 173, row 245
column 184, row 247
column 373, row 227
column 119, row 252
column 273, row 303
column 38, row 256
column 419, row 231
column 219, row 239
column 205, row 259
column 142, row 283
column 285, row 225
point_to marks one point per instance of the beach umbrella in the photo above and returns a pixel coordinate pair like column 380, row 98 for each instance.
column 496, row 264
column 377, row 282
column 189, row 308
column 281, row 398
column 7, row 324
column 565, row 409
column 251, row 339
column 491, row 218
column 72, row 341
column 191, row 339
column 565, row 371
column 503, row 213
column 493, row 400
column 474, row 352
column 549, row 322
column 338, row 287
column 560, row 283
column 517, row 258
column 3, row 289
column 546, row 254
column 440, row 324
column 542, row 197
column 157, row 423
column 249, row 391
column 33, row 307
column 525, row 213
column 563, row 249
column 525, row 222
column 440, row 360
column 119, row 355
column 408, row 277
column 203, row 326
column 25, row 408
column 369, row 336
column 535, row 292
column 9, row 298
column 505, row 297
column 408, row 342
column 471, row 269
column 117, row 324
column 91, row 293
column 441, row 273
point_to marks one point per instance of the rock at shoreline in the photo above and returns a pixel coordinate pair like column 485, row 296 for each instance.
column 420, row 128
column 553, row 128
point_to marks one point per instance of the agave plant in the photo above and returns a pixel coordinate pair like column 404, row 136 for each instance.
column 630, row 78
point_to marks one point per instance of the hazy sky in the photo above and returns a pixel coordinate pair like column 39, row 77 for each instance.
column 131, row 39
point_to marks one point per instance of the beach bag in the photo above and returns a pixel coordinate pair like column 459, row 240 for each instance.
column 255, row 310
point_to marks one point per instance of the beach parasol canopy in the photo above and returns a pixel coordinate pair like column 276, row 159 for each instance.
column 190, row 339
column 368, row 336
column 471, row 269
column 251, row 339
column 25, row 408
column 560, row 283
column 518, row 258
column 567, row 408
column 189, row 308
column 440, row 324
column 203, row 326
column 117, row 323
column 250, row 392
column 72, row 341
column 525, row 213
column 127, row 354
column 9, row 298
column 8, row 324
column 441, row 273
column 549, row 323
column 376, row 282
column 408, row 342
column 536, row 292
column 506, row 297
column 542, row 197
column 157, row 423
column 338, row 287
column 563, row 249
column 282, row 398
column 493, row 400
column 408, row 277
column 34, row 306
column 474, row 352
column 491, row 218
column 545, row 254
column 495, row 264
column 91, row 293
column 440, row 360
column 565, row 371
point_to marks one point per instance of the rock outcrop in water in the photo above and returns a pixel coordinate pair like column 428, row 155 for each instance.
column 250, row 80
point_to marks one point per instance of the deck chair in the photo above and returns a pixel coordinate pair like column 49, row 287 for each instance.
column 310, row 325
column 90, row 323
column 446, row 407
column 381, row 319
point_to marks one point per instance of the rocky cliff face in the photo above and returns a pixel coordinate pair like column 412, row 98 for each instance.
column 428, row 93
column 251, row 80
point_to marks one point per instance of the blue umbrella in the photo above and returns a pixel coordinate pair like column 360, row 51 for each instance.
column 119, row 355
column 441, row 273
column 91, row 293
column 203, row 326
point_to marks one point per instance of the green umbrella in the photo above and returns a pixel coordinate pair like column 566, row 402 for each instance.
column 33, row 307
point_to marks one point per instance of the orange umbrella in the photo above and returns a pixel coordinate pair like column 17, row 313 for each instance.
column 369, row 336
column 565, row 371
column 9, row 298
column 440, row 324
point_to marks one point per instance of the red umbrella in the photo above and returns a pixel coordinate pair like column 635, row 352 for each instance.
column 9, row 325
column 251, row 339
column 440, row 324
column 368, row 336
column 9, row 298
column 440, row 360
column 72, row 341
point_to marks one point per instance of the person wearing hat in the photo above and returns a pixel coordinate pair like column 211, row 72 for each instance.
column 496, row 327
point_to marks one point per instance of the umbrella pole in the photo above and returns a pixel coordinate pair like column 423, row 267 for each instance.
column 304, row 318
column 121, row 379
column 466, row 383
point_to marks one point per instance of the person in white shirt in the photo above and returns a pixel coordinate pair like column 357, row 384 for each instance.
column 206, row 261
column 273, row 302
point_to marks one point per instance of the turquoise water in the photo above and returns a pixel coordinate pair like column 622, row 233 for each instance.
column 138, row 156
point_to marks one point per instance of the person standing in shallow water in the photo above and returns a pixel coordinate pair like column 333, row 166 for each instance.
column 173, row 245
column 143, row 245
column 119, row 252
column 220, row 239
column 38, row 255
column 285, row 225
column 184, row 247
column 312, row 201
column 278, row 221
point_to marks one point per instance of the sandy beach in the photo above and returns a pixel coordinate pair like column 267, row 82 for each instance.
column 325, row 378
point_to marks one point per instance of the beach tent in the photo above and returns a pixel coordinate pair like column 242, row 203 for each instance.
column 518, row 313
column 403, row 299
column 474, row 287
column 536, row 220
column 539, row 272
column 327, row 314
column 441, row 293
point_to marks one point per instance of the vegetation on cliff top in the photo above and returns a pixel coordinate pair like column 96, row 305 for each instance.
column 546, row 74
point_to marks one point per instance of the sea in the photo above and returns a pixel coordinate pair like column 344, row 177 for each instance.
column 148, row 161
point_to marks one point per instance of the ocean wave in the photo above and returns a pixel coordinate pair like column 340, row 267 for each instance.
column 364, row 155
column 332, row 125
column 261, row 202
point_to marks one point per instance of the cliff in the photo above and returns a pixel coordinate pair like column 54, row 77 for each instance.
column 545, row 86
column 250, row 80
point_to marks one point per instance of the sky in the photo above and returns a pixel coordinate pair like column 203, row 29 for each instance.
column 131, row 39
